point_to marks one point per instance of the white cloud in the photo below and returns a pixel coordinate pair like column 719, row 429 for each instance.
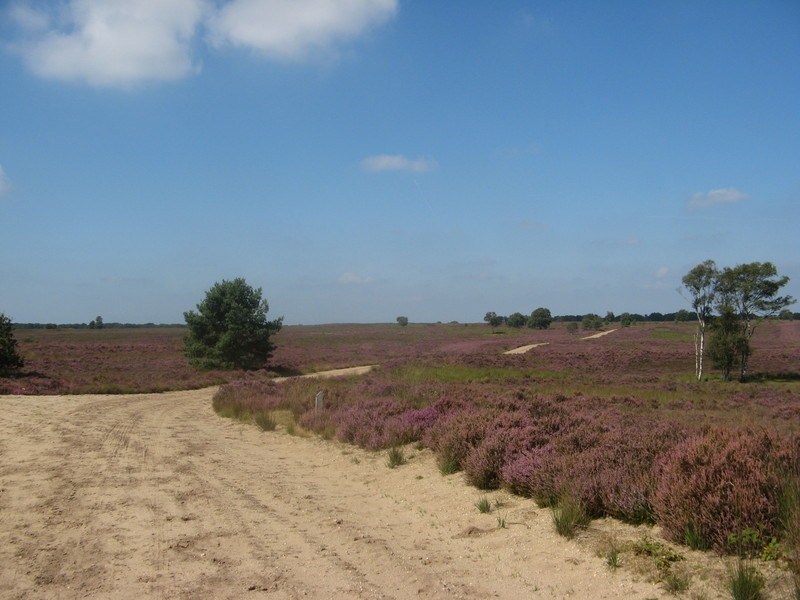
column 662, row 272
column 349, row 278
column 396, row 162
column 719, row 196
column 122, row 43
column 295, row 29
column 115, row 43
column 5, row 183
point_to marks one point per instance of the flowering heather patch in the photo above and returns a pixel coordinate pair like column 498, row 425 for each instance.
column 66, row 361
column 722, row 483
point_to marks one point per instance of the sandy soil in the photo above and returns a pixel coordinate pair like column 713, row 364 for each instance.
column 155, row 496
column 599, row 335
column 524, row 349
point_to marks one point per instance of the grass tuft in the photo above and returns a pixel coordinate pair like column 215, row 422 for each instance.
column 745, row 582
column 569, row 516
column 264, row 420
column 483, row 505
column 502, row 522
column 395, row 457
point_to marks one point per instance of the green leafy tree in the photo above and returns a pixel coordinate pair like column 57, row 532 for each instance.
column 402, row 321
column 493, row 319
column 751, row 290
column 592, row 321
column 610, row 317
column 10, row 360
column 727, row 345
column 626, row 319
column 786, row 315
column 540, row 318
column 230, row 328
column 701, row 285
column 516, row 320
column 682, row 316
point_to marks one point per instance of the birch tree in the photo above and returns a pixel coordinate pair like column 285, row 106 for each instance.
column 701, row 283
column 751, row 290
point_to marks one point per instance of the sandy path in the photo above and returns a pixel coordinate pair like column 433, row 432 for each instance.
column 524, row 349
column 599, row 335
column 155, row 496
column 331, row 374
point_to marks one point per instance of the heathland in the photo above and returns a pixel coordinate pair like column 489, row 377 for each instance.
column 607, row 427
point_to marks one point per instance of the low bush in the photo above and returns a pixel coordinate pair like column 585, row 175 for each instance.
column 719, row 484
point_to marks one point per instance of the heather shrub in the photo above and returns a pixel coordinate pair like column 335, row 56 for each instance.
column 406, row 427
column 453, row 436
column 721, row 483
column 507, row 438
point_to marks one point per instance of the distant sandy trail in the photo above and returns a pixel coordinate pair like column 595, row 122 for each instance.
column 155, row 496
column 599, row 335
column 331, row 374
column 524, row 349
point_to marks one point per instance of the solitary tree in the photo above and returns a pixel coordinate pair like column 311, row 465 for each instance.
column 402, row 321
column 540, row 318
column 786, row 315
column 493, row 320
column 230, row 328
column 10, row 360
column 751, row 292
column 701, row 286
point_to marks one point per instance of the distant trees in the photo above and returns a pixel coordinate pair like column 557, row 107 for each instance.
column 97, row 323
column 10, row 360
column 402, row 321
column 592, row 321
column 540, row 318
column 743, row 296
column 786, row 315
column 230, row 328
column 516, row 320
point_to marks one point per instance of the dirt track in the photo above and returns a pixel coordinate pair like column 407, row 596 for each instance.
column 156, row 496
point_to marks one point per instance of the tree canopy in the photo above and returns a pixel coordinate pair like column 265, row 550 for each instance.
column 540, row 318
column 230, row 328
column 10, row 359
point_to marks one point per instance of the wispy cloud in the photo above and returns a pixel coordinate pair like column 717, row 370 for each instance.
column 124, row 43
column 5, row 182
column 396, row 162
column 662, row 272
column 350, row 278
column 720, row 196
column 295, row 29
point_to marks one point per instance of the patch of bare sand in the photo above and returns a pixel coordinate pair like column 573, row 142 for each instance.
column 155, row 496
column 346, row 372
column 599, row 335
column 524, row 349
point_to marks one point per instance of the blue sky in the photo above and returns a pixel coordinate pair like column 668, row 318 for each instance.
column 363, row 159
